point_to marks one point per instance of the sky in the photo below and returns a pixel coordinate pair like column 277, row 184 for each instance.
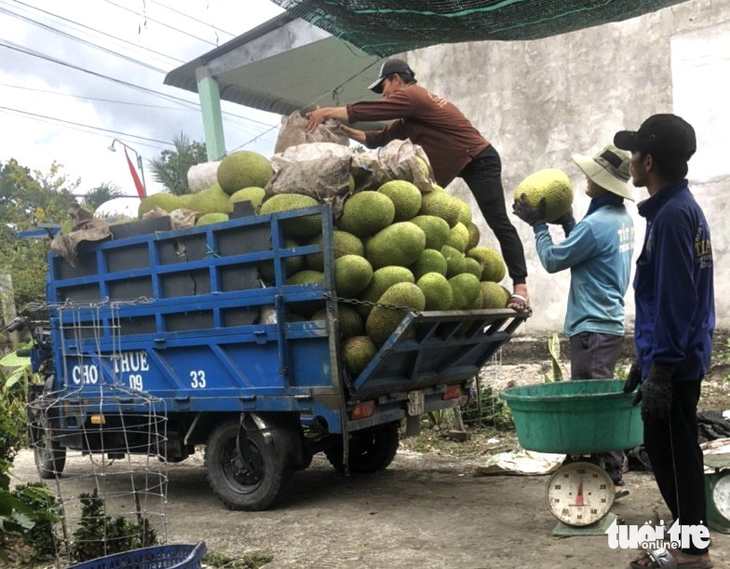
column 120, row 42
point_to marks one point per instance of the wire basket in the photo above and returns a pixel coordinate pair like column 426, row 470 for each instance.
column 102, row 446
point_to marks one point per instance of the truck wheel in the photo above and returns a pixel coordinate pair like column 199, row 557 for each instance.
column 270, row 457
column 50, row 457
column 371, row 449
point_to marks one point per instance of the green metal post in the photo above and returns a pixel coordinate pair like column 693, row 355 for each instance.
column 210, row 103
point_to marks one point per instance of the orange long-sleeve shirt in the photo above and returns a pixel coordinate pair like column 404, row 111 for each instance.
column 432, row 122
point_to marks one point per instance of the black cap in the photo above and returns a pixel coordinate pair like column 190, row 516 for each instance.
column 388, row 68
column 662, row 135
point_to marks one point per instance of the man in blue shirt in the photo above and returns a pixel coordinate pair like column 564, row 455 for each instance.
column 598, row 251
column 675, row 319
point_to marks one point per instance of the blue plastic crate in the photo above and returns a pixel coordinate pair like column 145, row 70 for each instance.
column 181, row 556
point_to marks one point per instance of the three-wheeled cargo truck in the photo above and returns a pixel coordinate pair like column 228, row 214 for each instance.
column 177, row 314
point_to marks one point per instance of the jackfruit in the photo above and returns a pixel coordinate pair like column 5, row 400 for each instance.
column 430, row 261
column 349, row 321
column 292, row 265
column 344, row 244
column 357, row 353
column 382, row 322
column 306, row 277
column 472, row 266
column 163, row 200
column 474, row 236
column 244, row 169
column 352, row 275
column 454, row 260
column 458, row 237
column 399, row 244
column 437, row 290
column 210, row 200
column 382, row 280
column 253, row 194
column 441, row 205
column 551, row 184
column 464, row 212
column 184, row 201
column 423, row 165
column 436, row 229
column 494, row 295
column 211, row 218
column 307, row 226
column 405, row 197
column 492, row 263
column 366, row 213
column 466, row 289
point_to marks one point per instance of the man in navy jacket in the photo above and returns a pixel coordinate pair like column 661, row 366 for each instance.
column 675, row 318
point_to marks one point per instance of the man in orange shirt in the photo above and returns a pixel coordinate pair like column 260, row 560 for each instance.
column 454, row 147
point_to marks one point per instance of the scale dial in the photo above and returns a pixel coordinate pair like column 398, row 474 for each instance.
column 721, row 496
column 580, row 493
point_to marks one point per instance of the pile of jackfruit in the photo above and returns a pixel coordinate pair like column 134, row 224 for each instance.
column 393, row 244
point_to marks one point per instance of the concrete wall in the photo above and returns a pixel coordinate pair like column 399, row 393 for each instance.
column 541, row 101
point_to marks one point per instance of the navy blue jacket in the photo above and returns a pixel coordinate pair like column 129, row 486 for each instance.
column 675, row 303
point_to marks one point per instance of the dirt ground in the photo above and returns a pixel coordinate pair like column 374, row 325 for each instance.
column 428, row 510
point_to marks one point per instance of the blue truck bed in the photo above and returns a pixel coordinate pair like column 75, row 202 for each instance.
column 178, row 315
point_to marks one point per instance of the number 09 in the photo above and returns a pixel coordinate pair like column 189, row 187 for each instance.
column 197, row 379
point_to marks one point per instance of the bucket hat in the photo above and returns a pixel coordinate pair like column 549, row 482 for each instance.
column 608, row 169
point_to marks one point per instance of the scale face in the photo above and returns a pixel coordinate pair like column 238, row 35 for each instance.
column 721, row 496
column 580, row 494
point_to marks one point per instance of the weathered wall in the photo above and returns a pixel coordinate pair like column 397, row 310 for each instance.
column 541, row 101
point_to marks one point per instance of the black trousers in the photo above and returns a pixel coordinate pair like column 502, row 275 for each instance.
column 483, row 175
column 593, row 356
column 676, row 458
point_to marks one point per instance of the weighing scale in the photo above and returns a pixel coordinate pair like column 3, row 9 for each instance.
column 580, row 495
column 717, row 491
column 579, row 419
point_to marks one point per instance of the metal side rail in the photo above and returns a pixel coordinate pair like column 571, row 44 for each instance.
column 436, row 348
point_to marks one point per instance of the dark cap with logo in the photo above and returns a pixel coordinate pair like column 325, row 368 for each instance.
column 388, row 68
column 665, row 135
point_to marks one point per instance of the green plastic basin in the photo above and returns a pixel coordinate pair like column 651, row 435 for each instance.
column 575, row 417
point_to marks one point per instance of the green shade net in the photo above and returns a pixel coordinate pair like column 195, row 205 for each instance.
column 385, row 27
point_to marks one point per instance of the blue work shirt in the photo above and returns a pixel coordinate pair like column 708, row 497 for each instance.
column 598, row 251
column 673, row 286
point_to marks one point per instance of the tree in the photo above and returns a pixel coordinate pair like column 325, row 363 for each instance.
column 100, row 194
column 26, row 199
column 171, row 167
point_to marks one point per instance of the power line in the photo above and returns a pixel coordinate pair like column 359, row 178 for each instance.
column 159, row 22
column 180, row 61
column 191, row 17
column 86, row 126
column 58, row 93
column 13, row 46
column 81, row 40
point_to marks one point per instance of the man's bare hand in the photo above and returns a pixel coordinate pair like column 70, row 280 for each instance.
column 353, row 133
column 316, row 118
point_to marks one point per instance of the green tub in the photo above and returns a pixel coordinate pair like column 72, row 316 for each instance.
column 575, row 417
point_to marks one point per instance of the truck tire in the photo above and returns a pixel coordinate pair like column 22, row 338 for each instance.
column 371, row 449
column 237, row 488
column 49, row 456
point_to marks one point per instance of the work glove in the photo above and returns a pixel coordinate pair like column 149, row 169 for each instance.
column 532, row 215
column 656, row 394
column 566, row 220
column 632, row 382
